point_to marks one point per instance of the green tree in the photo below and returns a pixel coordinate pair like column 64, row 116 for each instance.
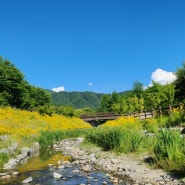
column 11, row 84
column 138, row 88
column 83, row 111
column 141, row 103
column 65, row 110
column 153, row 96
column 131, row 105
column 169, row 91
column 35, row 97
column 124, row 106
column 106, row 103
column 180, row 84
column 40, row 97
column 159, row 96
column 115, row 98
column 116, row 108
column 17, row 92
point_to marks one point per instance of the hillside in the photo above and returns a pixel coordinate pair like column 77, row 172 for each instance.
column 78, row 99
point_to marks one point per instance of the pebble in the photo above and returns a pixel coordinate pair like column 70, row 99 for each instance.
column 110, row 163
column 114, row 165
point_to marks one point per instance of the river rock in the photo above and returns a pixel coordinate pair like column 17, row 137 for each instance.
column 75, row 171
column 61, row 167
column 92, row 157
column 36, row 147
column 27, row 151
column 86, row 168
column 15, row 173
column 28, row 180
column 56, row 175
column 3, row 174
column 10, row 165
column 5, row 177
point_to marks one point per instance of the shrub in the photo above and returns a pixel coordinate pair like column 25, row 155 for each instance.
column 176, row 118
column 151, row 125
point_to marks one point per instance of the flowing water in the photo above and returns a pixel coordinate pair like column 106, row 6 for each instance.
column 42, row 174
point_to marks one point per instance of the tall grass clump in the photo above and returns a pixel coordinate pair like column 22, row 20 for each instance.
column 3, row 158
column 107, row 138
column 169, row 151
column 116, row 138
column 131, row 140
column 47, row 138
column 151, row 125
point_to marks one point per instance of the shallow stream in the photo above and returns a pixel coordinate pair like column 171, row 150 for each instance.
column 41, row 168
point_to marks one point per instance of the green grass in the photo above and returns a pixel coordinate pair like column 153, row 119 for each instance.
column 117, row 139
column 169, row 151
column 48, row 138
column 107, row 138
column 3, row 159
column 167, row 148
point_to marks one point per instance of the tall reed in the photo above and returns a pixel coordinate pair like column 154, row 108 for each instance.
column 107, row 138
column 169, row 150
column 116, row 138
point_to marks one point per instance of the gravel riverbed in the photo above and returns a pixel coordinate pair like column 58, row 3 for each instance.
column 135, row 170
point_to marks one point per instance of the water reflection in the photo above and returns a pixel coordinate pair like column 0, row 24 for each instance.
column 42, row 174
column 41, row 161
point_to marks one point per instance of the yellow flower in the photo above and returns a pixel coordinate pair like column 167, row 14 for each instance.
column 21, row 123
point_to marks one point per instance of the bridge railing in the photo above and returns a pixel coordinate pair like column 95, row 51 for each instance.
column 142, row 115
column 102, row 114
column 109, row 116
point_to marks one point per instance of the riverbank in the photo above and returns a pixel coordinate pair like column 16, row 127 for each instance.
column 135, row 170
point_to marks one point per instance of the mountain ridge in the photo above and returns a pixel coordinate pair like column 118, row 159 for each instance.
column 78, row 99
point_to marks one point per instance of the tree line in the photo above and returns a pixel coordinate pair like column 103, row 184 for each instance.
column 16, row 92
column 154, row 97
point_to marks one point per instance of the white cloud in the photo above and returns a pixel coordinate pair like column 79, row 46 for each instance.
column 162, row 77
column 58, row 89
column 90, row 84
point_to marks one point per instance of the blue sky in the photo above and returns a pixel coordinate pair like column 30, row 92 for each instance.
column 93, row 45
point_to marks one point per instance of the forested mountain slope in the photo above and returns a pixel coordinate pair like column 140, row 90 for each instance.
column 79, row 99
column 76, row 99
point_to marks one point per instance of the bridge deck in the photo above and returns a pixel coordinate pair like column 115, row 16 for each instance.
column 143, row 115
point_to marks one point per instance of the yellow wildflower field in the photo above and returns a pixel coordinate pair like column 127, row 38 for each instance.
column 20, row 123
column 128, row 122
